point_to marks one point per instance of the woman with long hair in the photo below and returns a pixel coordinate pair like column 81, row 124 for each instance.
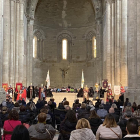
column 20, row 133
column 109, row 129
column 9, row 125
column 83, row 131
column 95, row 121
column 68, row 125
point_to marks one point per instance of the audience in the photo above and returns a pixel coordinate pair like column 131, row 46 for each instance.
column 132, row 130
column 37, row 120
column 109, row 129
column 83, row 131
column 20, row 133
column 95, row 121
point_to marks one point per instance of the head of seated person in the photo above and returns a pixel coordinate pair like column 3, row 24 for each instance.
column 88, row 108
column 93, row 114
column 70, row 116
column 113, row 106
column 127, row 115
column 83, row 123
column 101, row 106
column 16, row 104
column 67, row 107
column 66, row 103
column 132, row 126
column 13, row 115
column 4, row 110
column 20, row 133
column 109, row 121
column 22, row 108
column 42, row 118
column 83, row 106
column 111, row 110
column 44, row 110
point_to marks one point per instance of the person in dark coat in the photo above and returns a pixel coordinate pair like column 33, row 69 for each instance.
column 95, row 121
column 68, row 125
column 80, row 93
column 122, row 123
column 112, row 112
column 4, row 115
column 30, row 89
column 23, row 115
column 132, row 130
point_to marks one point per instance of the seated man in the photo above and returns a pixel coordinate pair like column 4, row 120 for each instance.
column 102, row 112
column 132, row 130
column 112, row 112
column 123, row 122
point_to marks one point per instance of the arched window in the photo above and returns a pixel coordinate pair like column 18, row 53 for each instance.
column 64, row 49
column 35, row 47
column 94, row 47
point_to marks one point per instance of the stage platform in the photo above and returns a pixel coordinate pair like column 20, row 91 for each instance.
column 59, row 96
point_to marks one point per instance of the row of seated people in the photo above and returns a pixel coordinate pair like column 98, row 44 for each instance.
column 80, row 129
column 58, row 115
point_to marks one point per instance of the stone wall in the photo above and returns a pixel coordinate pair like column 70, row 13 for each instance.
column 78, row 28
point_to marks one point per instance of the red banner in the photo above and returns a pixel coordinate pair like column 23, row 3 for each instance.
column 18, row 86
column 5, row 86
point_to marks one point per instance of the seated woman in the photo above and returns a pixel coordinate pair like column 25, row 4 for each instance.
column 20, row 133
column 95, row 121
column 68, row 125
column 83, row 131
column 10, row 124
column 41, row 130
column 109, row 129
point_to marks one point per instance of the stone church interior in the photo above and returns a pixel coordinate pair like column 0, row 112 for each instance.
column 70, row 45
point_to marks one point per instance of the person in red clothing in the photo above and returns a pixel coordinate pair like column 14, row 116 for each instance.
column 10, row 124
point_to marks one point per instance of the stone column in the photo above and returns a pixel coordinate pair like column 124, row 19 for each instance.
column 17, row 44
column 113, row 43
column 12, row 29
column 1, row 40
column 132, row 48
column 123, row 52
column 108, row 40
column 30, row 52
column 21, row 42
column 6, row 41
column 138, row 52
column 117, row 44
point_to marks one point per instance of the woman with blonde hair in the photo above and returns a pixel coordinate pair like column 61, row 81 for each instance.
column 83, row 131
column 109, row 129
